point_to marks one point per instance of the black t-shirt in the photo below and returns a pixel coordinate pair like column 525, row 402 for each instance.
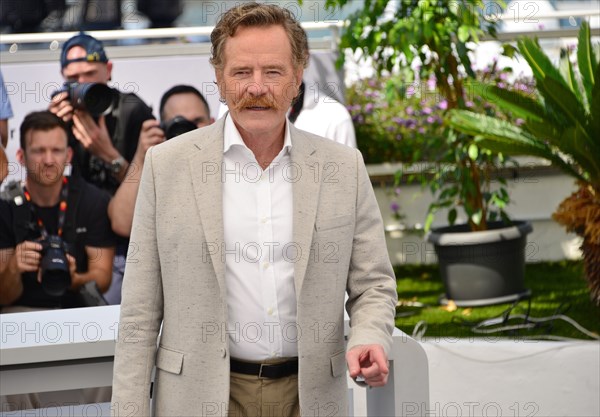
column 86, row 224
column 124, row 125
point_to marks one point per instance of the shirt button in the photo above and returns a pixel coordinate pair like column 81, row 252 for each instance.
column 264, row 220
column 270, row 311
column 266, row 265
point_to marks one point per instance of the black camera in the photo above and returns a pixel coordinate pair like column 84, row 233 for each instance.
column 177, row 126
column 95, row 98
column 56, row 276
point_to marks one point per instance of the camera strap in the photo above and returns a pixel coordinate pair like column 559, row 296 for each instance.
column 62, row 209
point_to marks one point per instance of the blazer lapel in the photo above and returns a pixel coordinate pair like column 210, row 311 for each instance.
column 205, row 166
column 305, row 200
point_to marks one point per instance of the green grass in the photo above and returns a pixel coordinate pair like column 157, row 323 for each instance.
column 557, row 288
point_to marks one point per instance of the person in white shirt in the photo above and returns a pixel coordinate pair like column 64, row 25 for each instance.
column 323, row 115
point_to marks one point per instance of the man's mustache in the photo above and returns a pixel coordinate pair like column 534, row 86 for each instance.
column 251, row 101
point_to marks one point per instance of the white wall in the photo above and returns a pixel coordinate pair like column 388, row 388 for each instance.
column 513, row 378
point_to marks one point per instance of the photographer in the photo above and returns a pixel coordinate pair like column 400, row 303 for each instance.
column 51, row 208
column 182, row 108
column 104, row 144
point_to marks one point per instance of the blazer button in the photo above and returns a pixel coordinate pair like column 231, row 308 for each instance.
column 223, row 352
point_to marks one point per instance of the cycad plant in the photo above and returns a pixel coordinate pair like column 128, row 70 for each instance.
column 562, row 125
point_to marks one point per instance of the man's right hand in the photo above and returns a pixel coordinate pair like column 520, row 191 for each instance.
column 150, row 135
column 28, row 256
column 61, row 106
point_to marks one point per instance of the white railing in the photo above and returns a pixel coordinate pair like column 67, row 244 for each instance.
column 56, row 350
column 130, row 34
column 333, row 27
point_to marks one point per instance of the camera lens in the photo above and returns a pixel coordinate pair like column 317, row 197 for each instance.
column 177, row 126
column 93, row 97
column 56, row 277
column 55, row 282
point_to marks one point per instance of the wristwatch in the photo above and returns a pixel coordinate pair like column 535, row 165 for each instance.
column 116, row 165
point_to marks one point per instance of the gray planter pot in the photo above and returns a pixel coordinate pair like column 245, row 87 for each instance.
column 482, row 268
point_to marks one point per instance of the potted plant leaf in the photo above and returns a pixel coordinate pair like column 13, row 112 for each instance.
column 426, row 41
column 562, row 125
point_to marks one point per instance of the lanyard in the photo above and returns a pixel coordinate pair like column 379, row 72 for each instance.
column 62, row 209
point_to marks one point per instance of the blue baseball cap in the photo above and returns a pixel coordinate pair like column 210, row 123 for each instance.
column 93, row 47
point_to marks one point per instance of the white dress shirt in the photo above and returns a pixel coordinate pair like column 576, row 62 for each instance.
column 325, row 116
column 258, row 250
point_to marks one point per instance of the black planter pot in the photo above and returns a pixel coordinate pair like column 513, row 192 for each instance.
column 482, row 268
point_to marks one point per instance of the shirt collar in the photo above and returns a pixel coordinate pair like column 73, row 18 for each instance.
column 232, row 136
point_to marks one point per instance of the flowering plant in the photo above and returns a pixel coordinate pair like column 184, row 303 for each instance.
column 394, row 123
column 433, row 40
column 404, row 122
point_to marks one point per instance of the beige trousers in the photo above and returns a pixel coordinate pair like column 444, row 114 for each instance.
column 251, row 396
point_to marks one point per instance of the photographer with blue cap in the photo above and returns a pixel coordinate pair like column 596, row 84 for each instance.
column 105, row 125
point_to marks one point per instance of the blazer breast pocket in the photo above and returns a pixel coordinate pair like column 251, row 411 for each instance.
column 329, row 223
column 169, row 360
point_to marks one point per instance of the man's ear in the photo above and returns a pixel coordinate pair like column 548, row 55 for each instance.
column 69, row 154
column 219, row 82
column 20, row 156
column 109, row 67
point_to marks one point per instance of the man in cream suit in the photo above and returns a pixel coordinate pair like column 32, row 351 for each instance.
column 246, row 236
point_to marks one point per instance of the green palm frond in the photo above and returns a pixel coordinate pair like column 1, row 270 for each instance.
column 519, row 104
column 502, row 136
column 583, row 155
column 586, row 59
column 562, row 122
column 568, row 73
column 550, row 133
column 595, row 108
column 564, row 99
column 541, row 66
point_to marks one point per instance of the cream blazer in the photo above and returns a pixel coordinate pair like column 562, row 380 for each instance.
column 174, row 278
